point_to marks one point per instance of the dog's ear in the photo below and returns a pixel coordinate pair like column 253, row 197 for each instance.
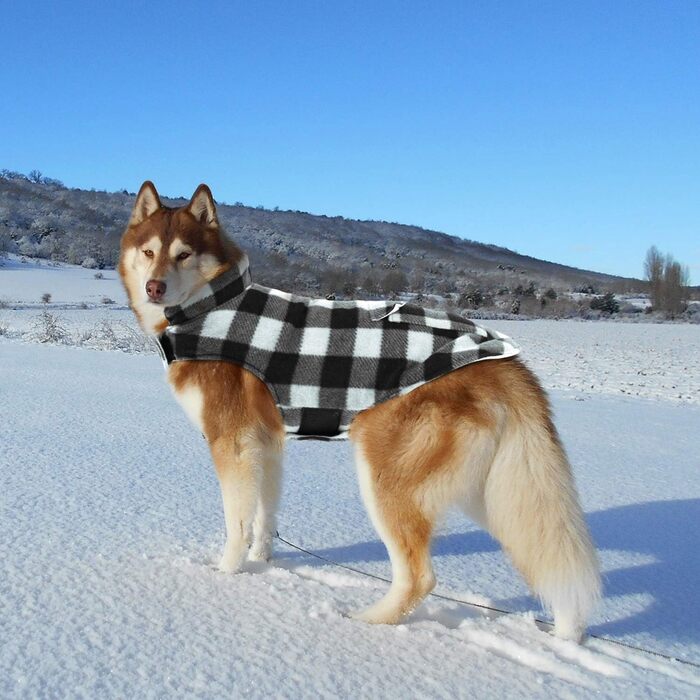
column 202, row 207
column 147, row 203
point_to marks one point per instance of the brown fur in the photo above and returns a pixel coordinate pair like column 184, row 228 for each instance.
column 480, row 437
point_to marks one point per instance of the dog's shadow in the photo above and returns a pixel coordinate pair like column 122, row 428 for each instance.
column 668, row 531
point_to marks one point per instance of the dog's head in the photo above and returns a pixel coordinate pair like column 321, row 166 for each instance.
column 168, row 254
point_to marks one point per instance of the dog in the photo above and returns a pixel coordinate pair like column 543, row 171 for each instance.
column 480, row 437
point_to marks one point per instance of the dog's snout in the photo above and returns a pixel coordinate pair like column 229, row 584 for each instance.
column 155, row 289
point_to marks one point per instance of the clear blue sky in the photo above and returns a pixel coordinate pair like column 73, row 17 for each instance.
column 565, row 130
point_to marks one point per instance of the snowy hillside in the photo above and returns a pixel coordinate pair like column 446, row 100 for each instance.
column 110, row 525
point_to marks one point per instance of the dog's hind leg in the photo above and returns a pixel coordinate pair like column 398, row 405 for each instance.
column 406, row 531
column 265, row 522
column 239, row 478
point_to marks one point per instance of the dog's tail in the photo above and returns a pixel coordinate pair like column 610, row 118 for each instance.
column 532, row 507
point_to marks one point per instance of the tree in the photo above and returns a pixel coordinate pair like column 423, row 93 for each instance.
column 472, row 298
column 607, row 303
column 394, row 281
column 668, row 282
column 676, row 282
column 654, row 272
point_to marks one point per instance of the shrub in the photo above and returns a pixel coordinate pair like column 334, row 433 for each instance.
column 472, row 298
column 46, row 298
column 48, row 328
column 607, row 303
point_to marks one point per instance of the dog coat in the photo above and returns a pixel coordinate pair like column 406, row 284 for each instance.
column 324, row 361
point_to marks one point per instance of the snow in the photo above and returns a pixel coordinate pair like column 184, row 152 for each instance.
column 25, row 282
column 654, row 361
column 111, row 524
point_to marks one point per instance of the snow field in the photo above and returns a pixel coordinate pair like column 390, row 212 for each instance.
column 111, row 526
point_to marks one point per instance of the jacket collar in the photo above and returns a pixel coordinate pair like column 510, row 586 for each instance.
column 221, row 289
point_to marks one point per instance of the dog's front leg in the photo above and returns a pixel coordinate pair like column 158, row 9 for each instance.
column 264, row 524
column 239, row 479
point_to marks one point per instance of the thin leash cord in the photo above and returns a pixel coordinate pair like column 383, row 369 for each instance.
column 482, row 607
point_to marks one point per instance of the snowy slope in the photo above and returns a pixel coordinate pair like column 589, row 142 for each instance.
column 110, row 523
column 25, row 282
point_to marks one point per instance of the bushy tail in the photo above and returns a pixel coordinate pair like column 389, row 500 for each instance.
column 533, row 509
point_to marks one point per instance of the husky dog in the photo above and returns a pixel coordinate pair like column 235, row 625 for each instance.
column 480, row 436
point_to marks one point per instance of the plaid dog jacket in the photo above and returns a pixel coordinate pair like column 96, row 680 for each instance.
column 324, row 361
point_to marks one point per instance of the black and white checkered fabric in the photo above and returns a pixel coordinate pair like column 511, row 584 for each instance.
column 324, row 361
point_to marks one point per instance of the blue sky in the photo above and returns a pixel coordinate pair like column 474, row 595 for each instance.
column 565, row 130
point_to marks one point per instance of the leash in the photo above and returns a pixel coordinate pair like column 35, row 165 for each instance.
column 542, row 624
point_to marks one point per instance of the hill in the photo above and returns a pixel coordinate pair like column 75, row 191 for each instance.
column 301, row 252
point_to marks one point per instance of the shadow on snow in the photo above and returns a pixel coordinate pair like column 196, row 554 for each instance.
column 668, row 531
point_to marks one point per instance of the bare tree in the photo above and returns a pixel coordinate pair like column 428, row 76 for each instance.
column 654, row 272
column 668, row 281
column 676, row 282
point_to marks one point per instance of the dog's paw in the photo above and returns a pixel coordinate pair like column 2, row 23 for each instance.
column 231, row 561
column 377, row 614
column 260, row 552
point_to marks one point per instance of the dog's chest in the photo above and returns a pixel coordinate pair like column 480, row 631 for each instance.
column 191, row 400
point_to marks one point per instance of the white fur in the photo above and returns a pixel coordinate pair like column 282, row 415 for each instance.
column 265, row 523
column 177, row 247
column 191, row 400
column 185, row 280
column 250, row 494
column 532, row 507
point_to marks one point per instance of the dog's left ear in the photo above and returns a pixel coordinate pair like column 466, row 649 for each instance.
column 202, row 206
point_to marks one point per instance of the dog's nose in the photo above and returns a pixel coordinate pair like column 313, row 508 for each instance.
column 155, row 289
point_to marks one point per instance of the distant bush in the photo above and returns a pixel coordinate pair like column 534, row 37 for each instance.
column 107, row 300
column 472, row 298
column 394, row 281
column 46, row 298
column 607, row 303
column 48, row 328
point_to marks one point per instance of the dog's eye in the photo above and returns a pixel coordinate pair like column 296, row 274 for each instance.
column 148, row 253
column 184, row 255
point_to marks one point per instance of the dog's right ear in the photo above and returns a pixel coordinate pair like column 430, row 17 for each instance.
column 147, row 203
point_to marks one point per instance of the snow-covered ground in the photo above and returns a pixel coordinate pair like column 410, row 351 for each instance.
column 649, row 360
column 110, row 526
column 23, row 281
